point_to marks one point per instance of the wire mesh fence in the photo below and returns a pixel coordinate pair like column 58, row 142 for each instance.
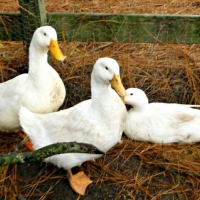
column 101, row 27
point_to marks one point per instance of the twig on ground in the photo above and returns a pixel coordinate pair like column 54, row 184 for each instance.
column 50, row 150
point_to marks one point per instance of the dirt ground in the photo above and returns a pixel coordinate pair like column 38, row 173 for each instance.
column 132, row 170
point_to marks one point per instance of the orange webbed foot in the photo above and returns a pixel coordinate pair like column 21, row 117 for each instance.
column 28, row 144
column 78, row 182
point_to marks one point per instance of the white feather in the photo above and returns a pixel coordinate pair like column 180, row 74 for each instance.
column 160, row 122
column 98, row 121
column 41, row 90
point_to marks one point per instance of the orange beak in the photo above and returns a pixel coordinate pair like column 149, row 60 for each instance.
column 118, row 86
column 55, row 50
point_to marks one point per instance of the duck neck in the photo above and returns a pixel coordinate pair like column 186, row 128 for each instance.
column 99, row 91
column 141, row 108
column 37, row 59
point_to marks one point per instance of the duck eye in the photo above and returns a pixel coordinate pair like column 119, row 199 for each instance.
column 45, row 34
column 131, row 93
column 106, row 68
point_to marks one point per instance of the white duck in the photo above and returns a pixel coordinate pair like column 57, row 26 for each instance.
column 98, row 121
column 41, row 90
column 160, row 122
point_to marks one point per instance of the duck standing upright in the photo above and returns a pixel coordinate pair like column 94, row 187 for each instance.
column 41, row 90
column 98, row 121
column 160, row 122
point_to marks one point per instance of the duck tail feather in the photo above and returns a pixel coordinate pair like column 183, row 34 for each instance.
column 31, row 125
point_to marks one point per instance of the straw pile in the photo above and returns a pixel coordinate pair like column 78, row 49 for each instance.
column 131, row 170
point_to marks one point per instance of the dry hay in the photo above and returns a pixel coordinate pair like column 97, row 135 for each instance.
column 134, row 170
column 110, row 6
column 168, row 73
column 152, row 171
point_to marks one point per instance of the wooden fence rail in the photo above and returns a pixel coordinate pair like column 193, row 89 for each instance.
column 98, row 27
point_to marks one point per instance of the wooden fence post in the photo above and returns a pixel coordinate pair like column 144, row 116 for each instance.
column 33, row 15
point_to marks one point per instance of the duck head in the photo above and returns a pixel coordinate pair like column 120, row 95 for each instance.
column 45, row 38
